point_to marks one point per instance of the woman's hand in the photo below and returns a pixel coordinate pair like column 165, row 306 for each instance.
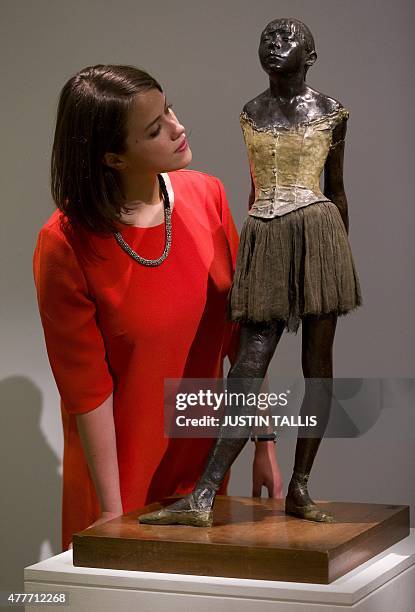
column 265, row 471
column 105, row 516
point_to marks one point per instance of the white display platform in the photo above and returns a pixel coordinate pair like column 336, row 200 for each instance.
column 386, row 583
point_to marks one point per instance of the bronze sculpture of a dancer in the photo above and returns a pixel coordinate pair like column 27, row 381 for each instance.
column 294, row 261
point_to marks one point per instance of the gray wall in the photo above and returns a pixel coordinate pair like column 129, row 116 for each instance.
column 204, row 54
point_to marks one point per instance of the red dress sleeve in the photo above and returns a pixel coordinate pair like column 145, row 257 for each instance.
column 228, row 223
column 74, row 343
column 232, row 328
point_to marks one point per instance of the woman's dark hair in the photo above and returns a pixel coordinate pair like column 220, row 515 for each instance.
column 91, row 121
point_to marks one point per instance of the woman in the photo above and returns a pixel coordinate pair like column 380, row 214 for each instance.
column 132, row 274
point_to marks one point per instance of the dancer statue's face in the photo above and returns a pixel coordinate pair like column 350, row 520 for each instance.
column 281, row 50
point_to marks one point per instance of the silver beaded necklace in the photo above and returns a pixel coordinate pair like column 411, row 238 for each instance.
column 167, row 221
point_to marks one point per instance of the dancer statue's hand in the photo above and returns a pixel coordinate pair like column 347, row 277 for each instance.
column 265, row 471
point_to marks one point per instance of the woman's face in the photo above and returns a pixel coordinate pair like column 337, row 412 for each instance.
column 156, row 141
column 281, row 50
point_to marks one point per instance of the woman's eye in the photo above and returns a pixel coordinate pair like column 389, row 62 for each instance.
column 156, row 132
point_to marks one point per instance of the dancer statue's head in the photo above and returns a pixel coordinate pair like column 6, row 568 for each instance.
column 286, row 46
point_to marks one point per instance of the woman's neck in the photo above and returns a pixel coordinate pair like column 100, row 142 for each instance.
column 144, row 201
column 141, row 189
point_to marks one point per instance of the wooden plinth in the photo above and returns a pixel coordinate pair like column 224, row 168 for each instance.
column 250, row 538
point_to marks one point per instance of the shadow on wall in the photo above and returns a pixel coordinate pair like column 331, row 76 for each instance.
column 30, row 482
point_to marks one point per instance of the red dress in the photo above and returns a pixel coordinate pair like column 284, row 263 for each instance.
column 114, row 325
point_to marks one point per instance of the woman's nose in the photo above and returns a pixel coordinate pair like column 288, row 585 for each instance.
column 177, row 128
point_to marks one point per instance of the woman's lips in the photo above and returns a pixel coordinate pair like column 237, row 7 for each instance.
column 182, row 147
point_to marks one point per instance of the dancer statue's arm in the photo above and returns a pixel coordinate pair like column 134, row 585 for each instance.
column 333, row 173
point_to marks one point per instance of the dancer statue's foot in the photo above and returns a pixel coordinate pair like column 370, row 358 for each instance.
column 298, row 502
column 185, row 511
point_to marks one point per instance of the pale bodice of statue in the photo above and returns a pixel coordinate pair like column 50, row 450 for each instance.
column 286, row 163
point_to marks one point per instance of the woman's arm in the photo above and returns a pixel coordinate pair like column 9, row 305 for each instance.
column 77, row 355
column 97, row 433
column 333, row 172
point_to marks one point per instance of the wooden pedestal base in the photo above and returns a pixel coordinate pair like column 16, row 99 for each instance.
column 250, row 538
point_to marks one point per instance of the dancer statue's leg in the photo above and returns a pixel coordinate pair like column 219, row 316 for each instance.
column 257, row 346
column 318, row 336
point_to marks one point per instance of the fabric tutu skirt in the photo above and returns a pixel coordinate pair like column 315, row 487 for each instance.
column 292, row 266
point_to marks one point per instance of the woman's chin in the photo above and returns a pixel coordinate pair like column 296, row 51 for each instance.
column 182, row 161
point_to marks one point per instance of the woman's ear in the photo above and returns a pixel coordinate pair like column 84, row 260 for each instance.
column 114, row 161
